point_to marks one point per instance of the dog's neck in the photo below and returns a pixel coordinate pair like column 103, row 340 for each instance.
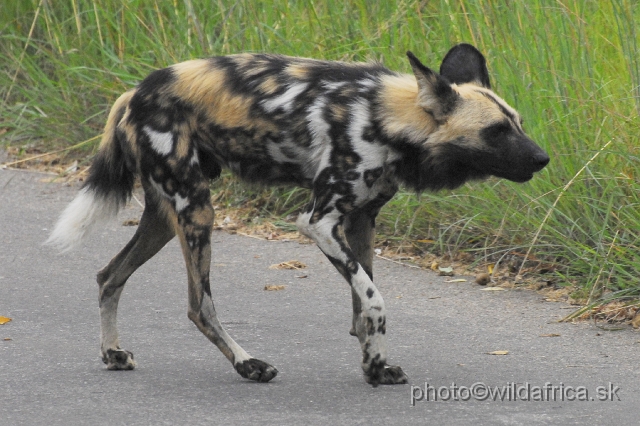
column 399, row 114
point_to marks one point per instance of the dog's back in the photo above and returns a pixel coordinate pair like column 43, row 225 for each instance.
column 268, row 118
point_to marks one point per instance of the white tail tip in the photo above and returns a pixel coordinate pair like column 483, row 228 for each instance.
column 83, row 215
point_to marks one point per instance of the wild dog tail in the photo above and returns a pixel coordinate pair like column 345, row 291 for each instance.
column 105, row 191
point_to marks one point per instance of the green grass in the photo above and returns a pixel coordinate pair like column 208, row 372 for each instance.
column 572, row 69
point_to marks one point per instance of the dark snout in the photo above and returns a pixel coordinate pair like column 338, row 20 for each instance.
column 518, row 159
column 512, row 154
column 539, row 160
column 528, row 158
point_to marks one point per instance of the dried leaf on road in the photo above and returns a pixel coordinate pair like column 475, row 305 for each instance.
column 4, row 320
column 635, row 322
column 72, row 168
column 291, row 264
column 498, row 353
column 550, row 335
column 273, row 287
column 445, row 272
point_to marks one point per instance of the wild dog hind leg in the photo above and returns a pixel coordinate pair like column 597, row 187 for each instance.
column 154, row 231
column 194, row 222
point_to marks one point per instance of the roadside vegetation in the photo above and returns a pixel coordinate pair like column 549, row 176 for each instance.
column 570, row 67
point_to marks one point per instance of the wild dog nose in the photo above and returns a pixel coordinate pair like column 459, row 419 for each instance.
column 541, row 159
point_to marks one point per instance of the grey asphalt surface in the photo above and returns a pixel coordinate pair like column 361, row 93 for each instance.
column 440, row 333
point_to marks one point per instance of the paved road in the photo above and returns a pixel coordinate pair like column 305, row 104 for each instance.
column 440, row 333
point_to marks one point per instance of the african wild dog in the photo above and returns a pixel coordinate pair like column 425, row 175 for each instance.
column 351, row 132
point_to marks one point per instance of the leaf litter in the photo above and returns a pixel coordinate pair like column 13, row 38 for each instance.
column 291, row 264
column 270, row 287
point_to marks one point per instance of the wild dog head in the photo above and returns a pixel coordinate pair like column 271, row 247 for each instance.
column 476, row 133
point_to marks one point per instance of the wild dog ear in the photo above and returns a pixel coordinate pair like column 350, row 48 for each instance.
column 435, row 93
column 465, row 64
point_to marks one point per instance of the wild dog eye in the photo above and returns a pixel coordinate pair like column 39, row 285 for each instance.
column 495, row 133
column 500, row 129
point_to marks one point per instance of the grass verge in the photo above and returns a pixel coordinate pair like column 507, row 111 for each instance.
column 572, row 69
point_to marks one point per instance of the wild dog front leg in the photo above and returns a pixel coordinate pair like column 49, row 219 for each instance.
column 360, row 232
column 194, row 229
column 370, row 325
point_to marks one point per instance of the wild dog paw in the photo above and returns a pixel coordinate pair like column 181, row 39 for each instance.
column 254, row 369
column 383, row 374
column 118, row 359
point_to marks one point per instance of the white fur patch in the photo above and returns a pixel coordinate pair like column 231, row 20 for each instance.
column 181, row 203
column 367, row 84
column 303, row 224
column 317, row 125
column 286, row 99
column 372, row 153
column 82, row 216
column 161, row 142
column 360, row 118
column 333, row 85
column 194, row 159
column 321, row 141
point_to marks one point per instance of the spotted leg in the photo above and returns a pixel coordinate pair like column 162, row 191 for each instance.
column 328, row 233
column 194, row 225
column 153, row 232
column 359, row 229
